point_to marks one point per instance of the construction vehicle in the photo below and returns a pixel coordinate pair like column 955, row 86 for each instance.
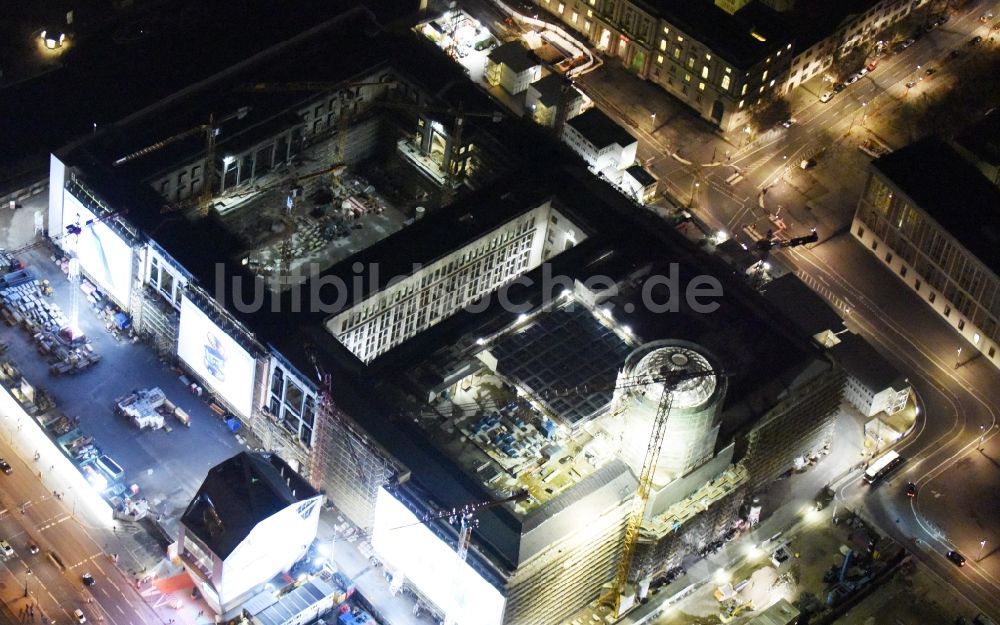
column 211, row 131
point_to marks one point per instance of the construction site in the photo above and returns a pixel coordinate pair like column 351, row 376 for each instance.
column 545, row 445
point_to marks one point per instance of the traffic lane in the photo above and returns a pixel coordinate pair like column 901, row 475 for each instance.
column 45, row 585
column 56, row 530
column 968, row 581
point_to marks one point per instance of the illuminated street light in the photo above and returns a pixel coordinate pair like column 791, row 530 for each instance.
column 982, row 544
column 982, row 436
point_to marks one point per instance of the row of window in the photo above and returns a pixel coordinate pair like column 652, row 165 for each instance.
column 960, row 302
column 439, row 299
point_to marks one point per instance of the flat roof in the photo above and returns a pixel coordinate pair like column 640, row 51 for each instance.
column 639, row 173
column 729, row 36
column 982, row 138
column 600, row 129
column 203, row 40
column 514, row 55
column 806, row 309
column 813, row 20
column 562, row 350
column 951, row 191
column 857, row 356
column 550, row 88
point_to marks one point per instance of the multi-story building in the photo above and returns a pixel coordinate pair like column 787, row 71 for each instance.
column 824, row 31
column 252, row 518
column 513, row 67
column 937, row 233
column 873, row 384
column 980, row 145
column 513, row 340
column 717, row 63
column 605, row 146
column 546, row 95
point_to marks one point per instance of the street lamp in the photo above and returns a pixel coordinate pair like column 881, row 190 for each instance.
column 982, row 436
column 982, row 544
column 26, row 574
column 958, row 358
column 652, row 121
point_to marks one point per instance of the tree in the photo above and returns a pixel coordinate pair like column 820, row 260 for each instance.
column 769, row 112
column 850, row 61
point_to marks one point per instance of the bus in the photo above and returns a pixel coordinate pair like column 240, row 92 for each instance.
column 882, row 467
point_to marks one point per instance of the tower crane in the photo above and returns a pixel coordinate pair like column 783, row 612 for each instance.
column 327, row 412
column 211, row 131
column 770, row 242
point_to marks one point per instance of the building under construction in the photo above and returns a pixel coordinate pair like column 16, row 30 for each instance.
column 417, row 317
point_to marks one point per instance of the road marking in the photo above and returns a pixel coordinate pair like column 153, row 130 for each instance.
column 65, row 517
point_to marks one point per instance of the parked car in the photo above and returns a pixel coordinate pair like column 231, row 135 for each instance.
column 87, row 579
column 5, row 467
column 911, row 489
column 33, row 548
column 985, row 17
column 975, row 40
column 911, row 84
column 956, row 557
column 807, row 163
column 954, row 54
column 838, row 87
column 826, row 97
column 853, row 78
column 902, row 45
column 930, row 71
column 79, row 616
column 6, row 549
column 788, row 123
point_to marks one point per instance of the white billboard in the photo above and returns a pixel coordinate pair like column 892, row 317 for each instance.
column 105, row 257
column 430, row 564
column 226, row 368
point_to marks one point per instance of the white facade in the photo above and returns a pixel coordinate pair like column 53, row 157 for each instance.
column 446, row 285
column 870, row 401
column 614, row 157
column 854, row 30
column 272, row 547
column 513, row 79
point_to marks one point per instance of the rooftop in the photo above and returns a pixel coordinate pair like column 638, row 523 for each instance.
column 562, row 350
column 743, row 39
column 814, row 20
column 982, row 138
column 639, row 173
column 600, row 130
column 956, row 195
column 125, row 51
column 802, row 305
column 514, row 55
column 550, row 88
column 861, row 360
column 239, row 493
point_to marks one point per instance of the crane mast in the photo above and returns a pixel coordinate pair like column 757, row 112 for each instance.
column 637, row 508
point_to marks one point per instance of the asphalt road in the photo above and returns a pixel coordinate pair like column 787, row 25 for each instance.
column 957, row 402
column 61, row 530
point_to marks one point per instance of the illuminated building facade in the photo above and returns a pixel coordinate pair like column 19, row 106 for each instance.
column 252, row 518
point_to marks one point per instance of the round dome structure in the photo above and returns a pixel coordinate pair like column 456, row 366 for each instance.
column 688, row 373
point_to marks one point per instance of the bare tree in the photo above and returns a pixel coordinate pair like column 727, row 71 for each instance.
column 769, row 112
